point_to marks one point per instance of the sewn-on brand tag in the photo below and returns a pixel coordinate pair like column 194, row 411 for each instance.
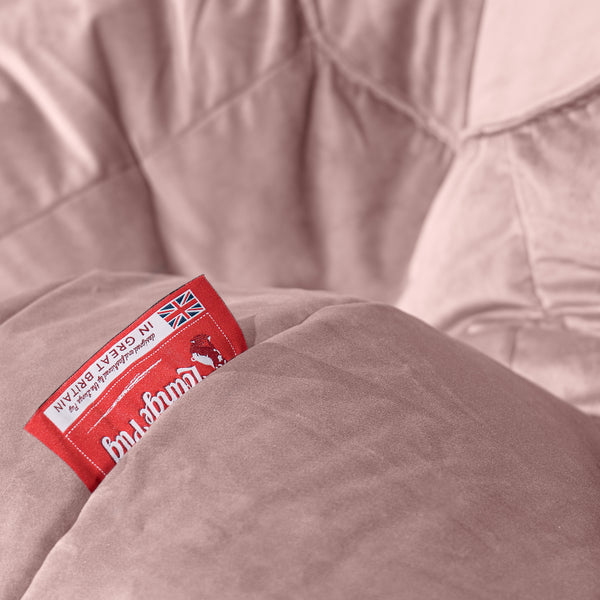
column 104, row 409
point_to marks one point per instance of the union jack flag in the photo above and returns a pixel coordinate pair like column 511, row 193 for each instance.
column 181, row 309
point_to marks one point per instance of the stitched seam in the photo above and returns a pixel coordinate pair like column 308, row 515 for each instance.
column 66, row 199
column 134, row 382
column 520, row 212
column 86, row 456
column 513, row 348
column 223, row 334
column 139, row 159
column 579, row 99
column 454, row 320
column 135, row 365
column 120, row 378
column 425, row 122
column 470, row 76
column 230, row 101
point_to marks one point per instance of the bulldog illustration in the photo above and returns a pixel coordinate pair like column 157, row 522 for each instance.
column 204, row 352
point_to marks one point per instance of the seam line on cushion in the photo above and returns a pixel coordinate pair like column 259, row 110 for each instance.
column 520, row 212
column 471, row 72
column 513, row 349
column 574, row 100
column 68, row 197
column 426, row 122
column 138, row 159
column 231, row 100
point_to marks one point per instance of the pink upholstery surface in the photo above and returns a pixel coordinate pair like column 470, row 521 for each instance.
column 325, row 163
column 351, row 452
column 509, row 257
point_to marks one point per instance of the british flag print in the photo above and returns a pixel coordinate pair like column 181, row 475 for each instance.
column 181, row 309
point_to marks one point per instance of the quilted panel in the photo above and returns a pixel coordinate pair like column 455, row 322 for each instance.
column 510, row 259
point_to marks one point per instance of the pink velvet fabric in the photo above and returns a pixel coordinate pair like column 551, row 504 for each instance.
column 351, row 452
column 414, row 155
column 251, row 141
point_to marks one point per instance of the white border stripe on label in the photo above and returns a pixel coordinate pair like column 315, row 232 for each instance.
column 105, row 368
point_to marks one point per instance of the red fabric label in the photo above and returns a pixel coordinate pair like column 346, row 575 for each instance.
column 105, row 408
